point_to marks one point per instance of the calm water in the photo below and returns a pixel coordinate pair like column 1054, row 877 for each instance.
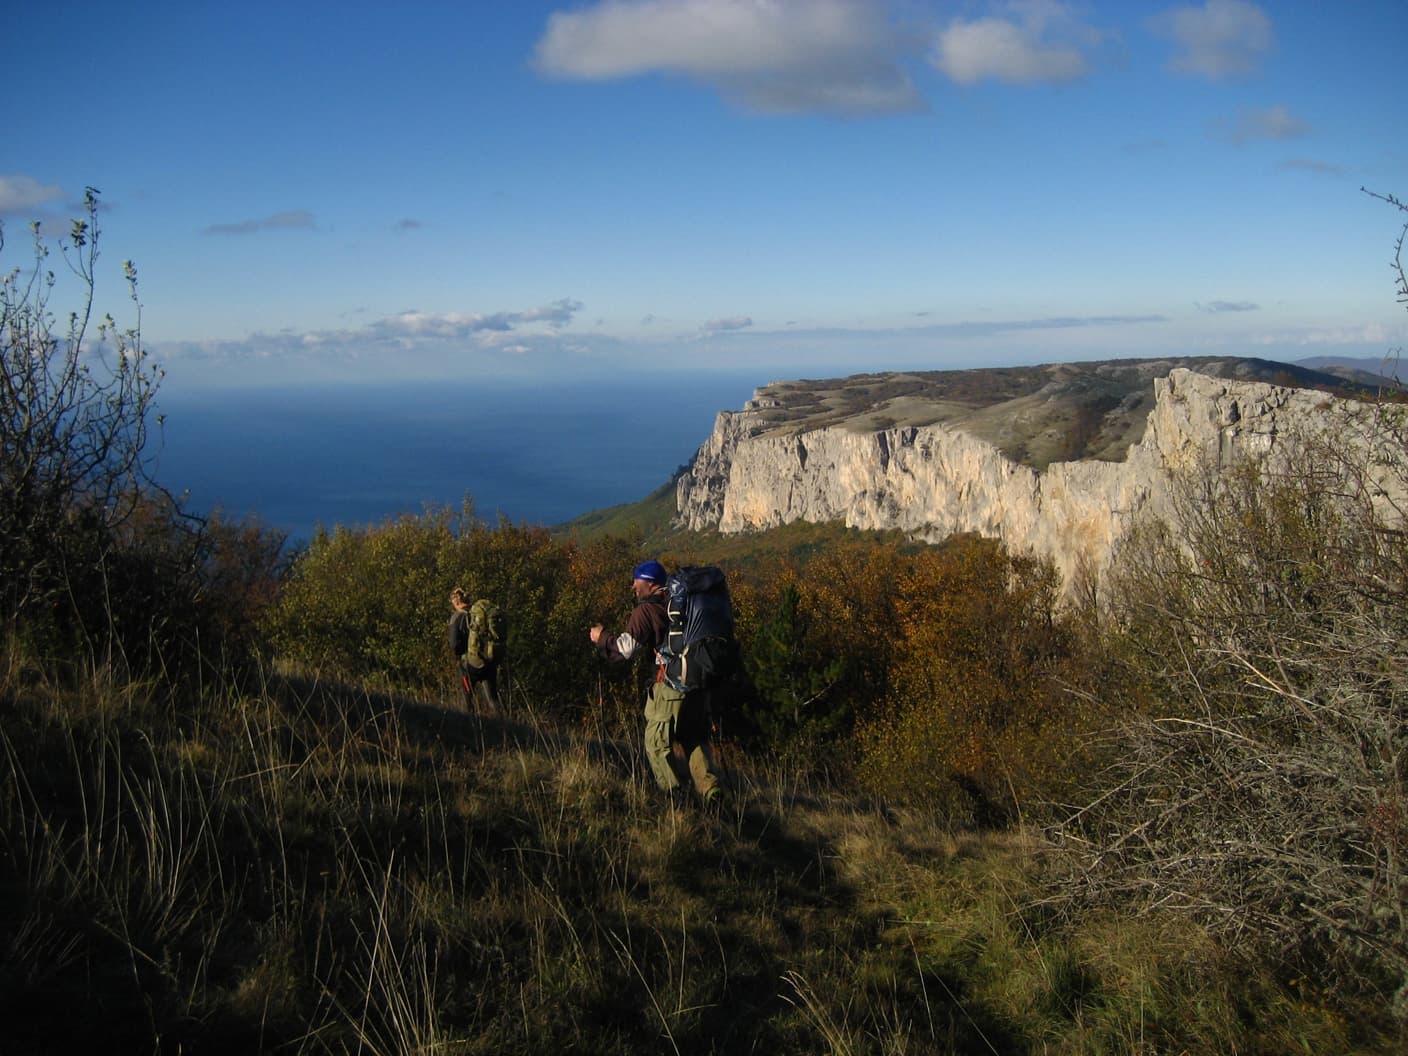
column 358, row 454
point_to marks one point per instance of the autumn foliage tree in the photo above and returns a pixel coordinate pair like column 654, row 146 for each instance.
column 817, row 645
column 978, row 720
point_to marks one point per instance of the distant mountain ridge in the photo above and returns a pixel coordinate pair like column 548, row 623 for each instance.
column 1384, row 372
column 1056, row 459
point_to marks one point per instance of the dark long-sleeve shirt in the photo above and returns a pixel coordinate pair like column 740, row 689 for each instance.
column 646, row 630
column 458, row 633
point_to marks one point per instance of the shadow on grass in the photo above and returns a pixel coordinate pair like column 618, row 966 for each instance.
column 431, row 725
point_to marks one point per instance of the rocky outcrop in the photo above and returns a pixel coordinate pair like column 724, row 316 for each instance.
column 931, row 481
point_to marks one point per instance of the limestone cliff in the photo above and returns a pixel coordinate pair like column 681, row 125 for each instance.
column 936, row 479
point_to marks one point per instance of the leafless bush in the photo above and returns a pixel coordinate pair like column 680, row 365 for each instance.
column 74, row 414
column 1261, row 780
column 96, row 559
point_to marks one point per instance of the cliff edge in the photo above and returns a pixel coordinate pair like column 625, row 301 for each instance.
column 953, row 463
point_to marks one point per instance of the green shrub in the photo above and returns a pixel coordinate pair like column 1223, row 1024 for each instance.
column 795, row 679
column 365, row 605
column 371, row 605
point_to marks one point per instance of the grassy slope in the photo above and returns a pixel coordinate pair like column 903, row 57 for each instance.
column 649, row 521
column 649, row 518
column 314, row 868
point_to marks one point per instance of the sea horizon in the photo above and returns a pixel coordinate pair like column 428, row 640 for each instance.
column 359, row 454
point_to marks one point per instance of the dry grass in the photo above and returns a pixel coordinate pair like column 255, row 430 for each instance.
column 311, row 868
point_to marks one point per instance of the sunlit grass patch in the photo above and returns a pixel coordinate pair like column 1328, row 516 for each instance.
column 590, row 789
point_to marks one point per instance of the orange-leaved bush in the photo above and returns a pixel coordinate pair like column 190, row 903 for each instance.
column 978, row 720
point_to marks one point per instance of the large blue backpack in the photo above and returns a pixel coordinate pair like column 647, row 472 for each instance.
column 701, row 650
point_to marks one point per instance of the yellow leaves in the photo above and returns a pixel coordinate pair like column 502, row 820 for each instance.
column 944, row 660
column 974, row 694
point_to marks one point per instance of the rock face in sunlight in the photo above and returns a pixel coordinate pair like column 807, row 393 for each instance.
column 760, row 469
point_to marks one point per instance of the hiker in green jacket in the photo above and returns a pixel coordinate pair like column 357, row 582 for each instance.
column 677, row 725
column 475, row 636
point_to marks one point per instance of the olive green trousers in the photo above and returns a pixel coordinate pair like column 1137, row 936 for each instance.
column 677, row 740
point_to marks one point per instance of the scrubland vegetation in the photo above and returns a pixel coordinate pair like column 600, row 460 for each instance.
column 969, row 811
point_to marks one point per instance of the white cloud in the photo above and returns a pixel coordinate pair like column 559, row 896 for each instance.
column 18, row 193
column 1041, row 43
column 1223, row 38
column 777, row 56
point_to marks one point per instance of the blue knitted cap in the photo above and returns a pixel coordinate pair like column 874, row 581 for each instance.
column 653, row 571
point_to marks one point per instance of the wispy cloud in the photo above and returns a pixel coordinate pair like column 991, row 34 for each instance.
column 1324, row 168
column 21, row 193
column 1217, row 307
column 965, row 328
column 291, row 219
column 407, row 334
column 449, row 325
column 1270, row 123
column 737, row 322
column 782, row 56
column 1144, row 147
column 1058, row 322
column 438, row 345
column 1042, row 42
column 1222, row 38
column 1367, row 334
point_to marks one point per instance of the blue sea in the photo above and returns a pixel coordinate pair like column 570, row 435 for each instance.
column 359, row 454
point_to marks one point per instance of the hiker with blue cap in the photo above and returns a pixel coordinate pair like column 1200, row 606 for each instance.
column 677, row 730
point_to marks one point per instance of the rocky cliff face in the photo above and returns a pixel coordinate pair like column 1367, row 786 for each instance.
column 931, row 481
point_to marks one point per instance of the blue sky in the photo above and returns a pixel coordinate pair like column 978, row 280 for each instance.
column 802, row 187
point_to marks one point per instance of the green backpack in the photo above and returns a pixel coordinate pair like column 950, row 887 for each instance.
column 488, row 632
